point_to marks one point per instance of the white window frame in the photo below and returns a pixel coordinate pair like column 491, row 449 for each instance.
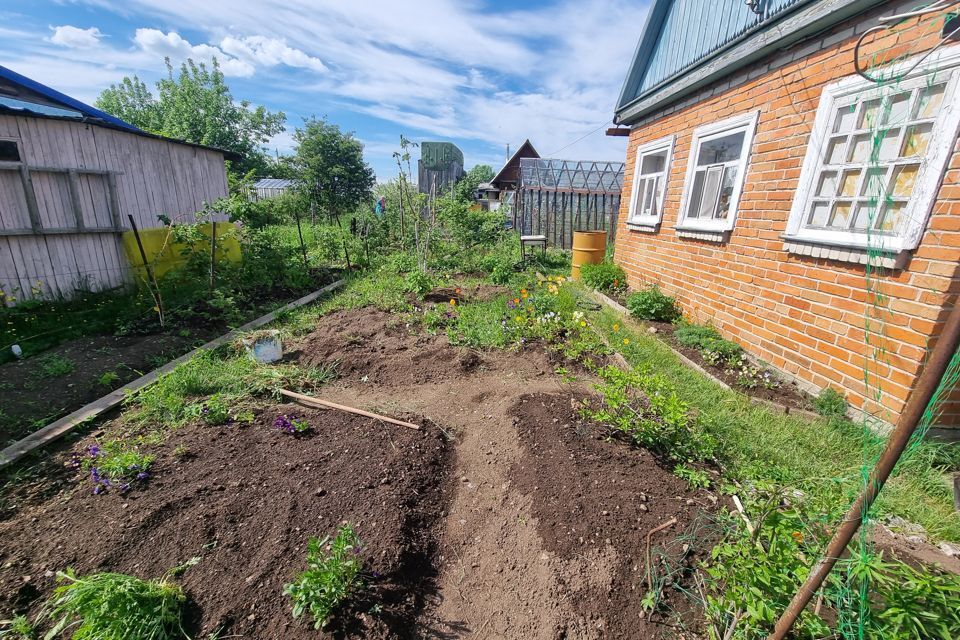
column 944, row 63
column 747, row 123
column 656, row 146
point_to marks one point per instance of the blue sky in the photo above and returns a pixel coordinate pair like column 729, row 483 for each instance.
column 479, row 74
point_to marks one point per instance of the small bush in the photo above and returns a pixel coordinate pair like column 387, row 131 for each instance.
column 18, row 628
column 830, row 403
column 419, row 283
column 332, row 575
column 402, row 263
column 114, row 606
column 606, row 276
column 695, row 335
column 653, row 304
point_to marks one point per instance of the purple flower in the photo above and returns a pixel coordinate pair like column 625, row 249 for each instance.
column 93, row 451
column 143, row 475
column 97, row 490
column 284, row 424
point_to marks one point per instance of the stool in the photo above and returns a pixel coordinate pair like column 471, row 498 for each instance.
column 532, row 242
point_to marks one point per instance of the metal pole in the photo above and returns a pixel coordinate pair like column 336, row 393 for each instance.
column 933, row 371
column 155, row 290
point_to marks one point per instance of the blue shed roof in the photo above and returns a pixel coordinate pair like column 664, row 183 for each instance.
column 680, row 36
column 71, row 104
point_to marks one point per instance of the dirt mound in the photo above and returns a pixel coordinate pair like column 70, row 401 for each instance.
column 246, row 499
column 374, row 346
column 596, row 498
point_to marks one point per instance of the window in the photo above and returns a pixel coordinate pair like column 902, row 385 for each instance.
column 650, row 182
column 875, row 159
column 715, row 172
column 9, row 151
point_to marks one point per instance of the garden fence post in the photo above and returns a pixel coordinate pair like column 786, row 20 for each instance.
column 213, row 256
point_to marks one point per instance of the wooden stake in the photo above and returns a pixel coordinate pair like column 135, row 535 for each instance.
column 326, row 404
column 670, row 522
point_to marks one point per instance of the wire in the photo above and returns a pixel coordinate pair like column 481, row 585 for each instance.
column 586, row 135
column 888, row 22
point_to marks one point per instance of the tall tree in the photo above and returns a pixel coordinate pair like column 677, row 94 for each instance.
column 331, row 170
column 331, row 167
column 467, row 185
column 196, row 105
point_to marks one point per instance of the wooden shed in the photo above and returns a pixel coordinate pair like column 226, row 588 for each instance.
column 70, row 175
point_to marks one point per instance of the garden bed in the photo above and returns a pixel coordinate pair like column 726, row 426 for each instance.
column 245, row 499
column 787, row 394
column 472, row 525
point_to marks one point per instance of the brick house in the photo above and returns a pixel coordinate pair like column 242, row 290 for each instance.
column 767, row 183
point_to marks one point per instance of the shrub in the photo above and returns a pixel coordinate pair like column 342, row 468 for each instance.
column 114, row 606
column 419, row 283
column 830, row 403
column 653, row 304
column 695, row 335
column 606, row 276
column 402, row 263
column 332, row 575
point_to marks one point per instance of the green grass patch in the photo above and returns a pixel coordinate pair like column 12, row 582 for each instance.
column 54, row 366
column 114, row 606
column 823, row 458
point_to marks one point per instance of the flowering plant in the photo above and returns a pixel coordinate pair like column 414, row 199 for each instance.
column 113, row 466
column 291, row 425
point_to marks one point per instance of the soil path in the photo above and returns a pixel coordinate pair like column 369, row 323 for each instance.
column 516, row 558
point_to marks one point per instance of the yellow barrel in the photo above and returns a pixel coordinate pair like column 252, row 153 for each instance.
column 589, row 247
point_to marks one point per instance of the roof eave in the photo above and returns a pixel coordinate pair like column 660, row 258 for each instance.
column 807, row 19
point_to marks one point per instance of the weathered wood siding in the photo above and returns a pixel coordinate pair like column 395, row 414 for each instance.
column 81, row 249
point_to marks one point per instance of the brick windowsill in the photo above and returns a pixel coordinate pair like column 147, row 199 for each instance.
column 705, row 235
column 643, row 227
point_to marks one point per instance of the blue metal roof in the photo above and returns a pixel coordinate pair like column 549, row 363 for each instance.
column 680, row 34
column 70, row 104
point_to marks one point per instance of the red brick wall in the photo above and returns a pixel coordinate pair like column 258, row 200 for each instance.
column 805, row 316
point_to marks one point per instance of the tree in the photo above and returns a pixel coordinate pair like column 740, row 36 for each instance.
column 331, row 170
column 467, row 185
column 196, row 106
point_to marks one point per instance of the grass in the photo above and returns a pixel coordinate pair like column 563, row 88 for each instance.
column 114, row 606
column 823, row 458
column 219, row 379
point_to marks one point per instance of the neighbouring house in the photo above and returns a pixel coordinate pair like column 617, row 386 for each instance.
column 508, row 178
column 70, row 175
column 487, row 196
column 266, row 188
column 787, row 200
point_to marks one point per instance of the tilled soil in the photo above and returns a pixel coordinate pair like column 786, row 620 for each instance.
column 505, row 517
column 31, row 397
column 246, row 499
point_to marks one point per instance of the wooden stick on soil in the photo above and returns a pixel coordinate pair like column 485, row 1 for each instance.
column 670, row 522
column 326, row 404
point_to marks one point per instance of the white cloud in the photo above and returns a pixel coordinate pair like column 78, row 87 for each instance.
column 269, row 52
column 174, row 46
column 75, row 37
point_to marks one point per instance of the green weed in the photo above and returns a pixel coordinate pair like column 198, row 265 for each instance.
column 332, row 576
column 54, row 366
column 830, row 403
column 17, row 628
column 108, row 379
column 696, row 478
column 653, row 304
column 608, row 277
column 114, row 606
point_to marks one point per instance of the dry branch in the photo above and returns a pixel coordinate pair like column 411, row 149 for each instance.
column 326, row 404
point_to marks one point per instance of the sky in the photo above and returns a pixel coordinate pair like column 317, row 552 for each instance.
column 479, row 74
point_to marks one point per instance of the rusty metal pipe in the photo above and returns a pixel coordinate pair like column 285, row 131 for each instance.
column 910, row 417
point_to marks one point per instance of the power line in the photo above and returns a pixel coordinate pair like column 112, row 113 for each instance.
column 586, row 135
